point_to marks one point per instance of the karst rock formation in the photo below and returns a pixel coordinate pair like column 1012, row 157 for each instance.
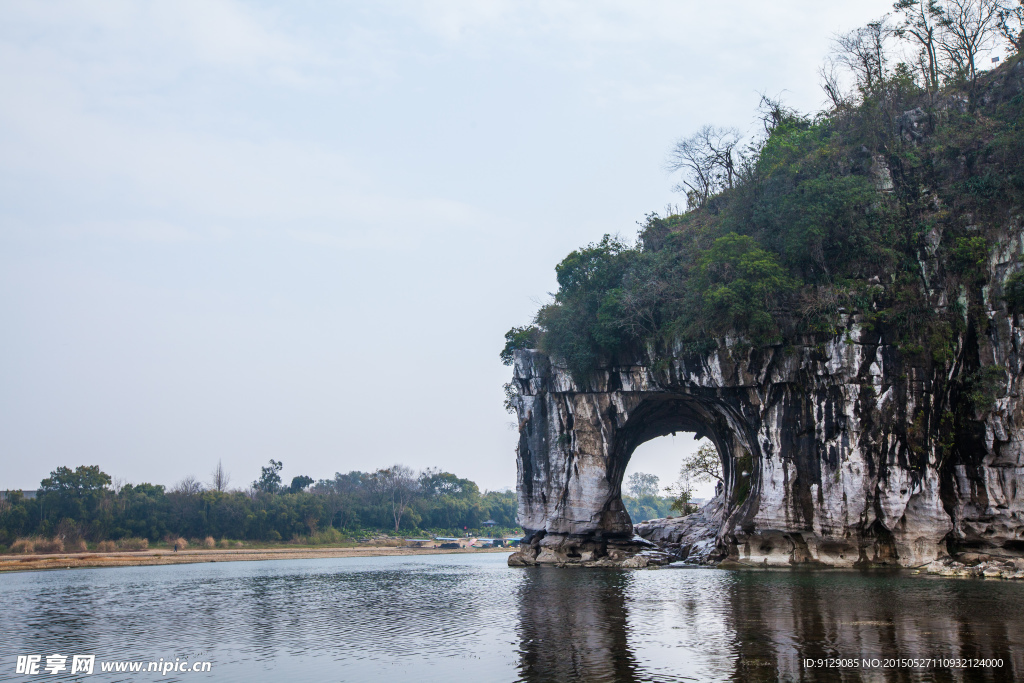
column 867, row 441
column 830, row 449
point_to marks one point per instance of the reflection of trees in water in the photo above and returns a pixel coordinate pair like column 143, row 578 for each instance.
column 780, row 619
column 573, row 626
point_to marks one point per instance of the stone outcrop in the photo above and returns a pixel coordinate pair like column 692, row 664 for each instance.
column 633, row 552
column 830, row 447
column 690, row 539
column 988, row 568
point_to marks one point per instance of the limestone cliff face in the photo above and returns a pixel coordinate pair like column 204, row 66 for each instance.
column 835, row 450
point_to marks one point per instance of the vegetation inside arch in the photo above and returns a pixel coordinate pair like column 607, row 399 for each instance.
column 696, row 478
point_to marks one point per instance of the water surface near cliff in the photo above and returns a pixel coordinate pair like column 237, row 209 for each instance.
column 469, row 617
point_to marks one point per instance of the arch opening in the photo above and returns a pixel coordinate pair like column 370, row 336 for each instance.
column 654, row 478
column 709, row 420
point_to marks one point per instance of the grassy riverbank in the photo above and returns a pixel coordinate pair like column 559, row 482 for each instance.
column 10, row 563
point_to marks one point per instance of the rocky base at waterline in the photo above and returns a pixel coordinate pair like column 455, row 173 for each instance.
column 655, row 542
column 988, row 569
column 565, row 551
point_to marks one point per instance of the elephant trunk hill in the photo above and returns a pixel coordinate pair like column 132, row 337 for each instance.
column 845, row 325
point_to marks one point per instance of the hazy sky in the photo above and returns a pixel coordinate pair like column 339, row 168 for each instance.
column 299, row 231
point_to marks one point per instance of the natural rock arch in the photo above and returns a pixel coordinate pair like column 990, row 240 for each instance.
column 824, row 429
column 705, row 416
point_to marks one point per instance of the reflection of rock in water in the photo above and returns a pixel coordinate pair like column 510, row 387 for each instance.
column 688, row 624
column 779, row 621
column 573, row 626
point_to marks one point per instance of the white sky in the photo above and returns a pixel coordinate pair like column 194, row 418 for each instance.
column 299, row 230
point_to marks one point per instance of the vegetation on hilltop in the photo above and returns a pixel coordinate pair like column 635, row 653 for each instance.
column 922, row 162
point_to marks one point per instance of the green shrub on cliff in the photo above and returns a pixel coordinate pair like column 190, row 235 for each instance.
column 740, row 283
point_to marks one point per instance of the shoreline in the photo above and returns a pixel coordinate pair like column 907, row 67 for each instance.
column 87, row 560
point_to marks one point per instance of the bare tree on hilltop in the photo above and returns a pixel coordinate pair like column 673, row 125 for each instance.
column 708, row 163
column 863, row 52
column 970, row 26
column 1011, row 25
column 948, row 37
column 921, row 23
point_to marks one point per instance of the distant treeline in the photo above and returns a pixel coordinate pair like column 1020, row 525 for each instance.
column 83, row 503
column 644, row 507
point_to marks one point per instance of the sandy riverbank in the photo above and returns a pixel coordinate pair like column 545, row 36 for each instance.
column 151, row 557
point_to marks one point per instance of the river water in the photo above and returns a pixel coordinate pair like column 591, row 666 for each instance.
column 471, row 618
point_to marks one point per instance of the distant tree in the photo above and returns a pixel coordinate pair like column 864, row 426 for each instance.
column 447, row 501
column 299, row 483
column 185, row 506
column 82, row 481
column 15, row 517
column 78, row 504
column 400, row 486
column 350, row 482
column 681, row 493
column 189, row 486
column 74, row 494
column 143, row 510
column 642, row 484
column 704, row 465
column 434, row 482
column 644, row 503
column 219, row 479
column 270, row 478
column 501, row 506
